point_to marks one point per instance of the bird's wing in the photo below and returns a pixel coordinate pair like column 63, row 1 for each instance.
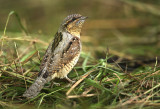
column 56, row 62
column 50, row 50
column 69, row 53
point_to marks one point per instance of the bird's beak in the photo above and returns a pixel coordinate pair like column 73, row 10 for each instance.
column 83, row 17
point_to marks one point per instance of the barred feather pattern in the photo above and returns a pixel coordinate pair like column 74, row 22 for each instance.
column 61, row 55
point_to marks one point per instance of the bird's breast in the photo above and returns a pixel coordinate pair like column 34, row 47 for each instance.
column 67, row 68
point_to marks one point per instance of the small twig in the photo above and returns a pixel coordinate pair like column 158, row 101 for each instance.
column 151, row 74
column 35, row 53
column 118, row 77
column 83, row 95
column 131, row 100
column 24, row 52
column 88, row 90
column 18, row 75
column 132, row 77
column 79, row 81
column 155, row 66
column 35, row 47
column 18, row 57
column 118, row 65
column 29, row 40
column 76, row 72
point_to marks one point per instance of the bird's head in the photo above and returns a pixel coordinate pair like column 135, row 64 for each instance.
column 73, row 24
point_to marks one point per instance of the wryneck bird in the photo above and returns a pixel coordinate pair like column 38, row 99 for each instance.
column 61, row 55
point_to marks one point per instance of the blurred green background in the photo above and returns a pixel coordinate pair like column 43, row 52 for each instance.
column 129, row 28
column 125, row 32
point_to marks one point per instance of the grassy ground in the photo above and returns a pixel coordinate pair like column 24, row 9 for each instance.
column 99, row 82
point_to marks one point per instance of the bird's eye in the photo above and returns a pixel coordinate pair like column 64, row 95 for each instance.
column 70, row 21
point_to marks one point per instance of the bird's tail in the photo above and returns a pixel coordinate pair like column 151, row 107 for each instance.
column 35, row 88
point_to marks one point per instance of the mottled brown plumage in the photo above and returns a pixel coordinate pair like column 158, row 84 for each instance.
column 61, row 55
